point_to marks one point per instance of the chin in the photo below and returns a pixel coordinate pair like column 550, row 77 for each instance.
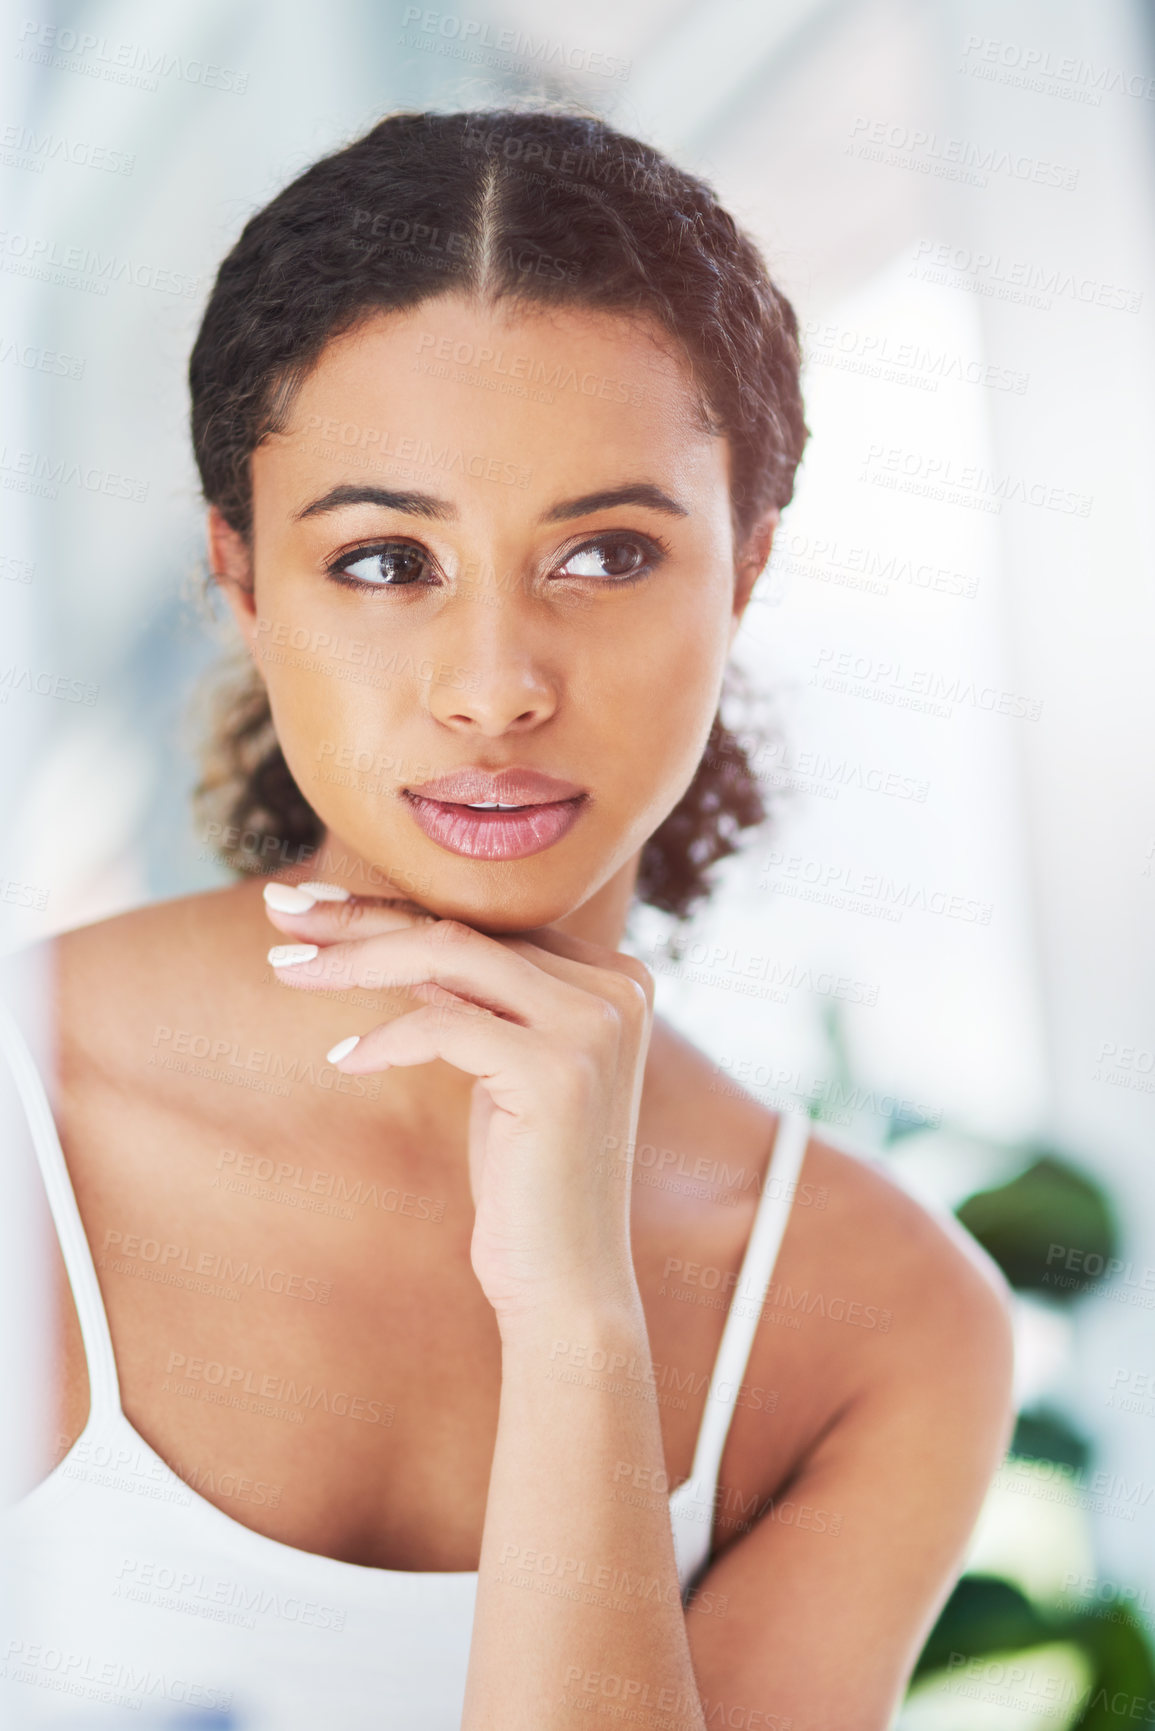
column 496, row 908
column 494, row 896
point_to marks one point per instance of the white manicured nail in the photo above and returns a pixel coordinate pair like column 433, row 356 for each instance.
column 342, row 1049
column 288, row 955
column 326, row 892
column 288, row 899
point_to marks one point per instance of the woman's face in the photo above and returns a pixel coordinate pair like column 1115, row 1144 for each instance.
column 499, row 542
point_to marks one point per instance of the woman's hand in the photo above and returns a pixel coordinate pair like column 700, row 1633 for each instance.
column 555, row 1029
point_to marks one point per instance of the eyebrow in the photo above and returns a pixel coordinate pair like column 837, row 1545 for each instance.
column 416, row 504
column 429, row 505
column 637, row 493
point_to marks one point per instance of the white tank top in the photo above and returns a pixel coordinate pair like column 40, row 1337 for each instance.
column 135, row 1593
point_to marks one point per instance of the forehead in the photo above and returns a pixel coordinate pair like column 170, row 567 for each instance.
column 463, row 396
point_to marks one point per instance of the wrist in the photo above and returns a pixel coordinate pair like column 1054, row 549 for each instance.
column 601, row 1326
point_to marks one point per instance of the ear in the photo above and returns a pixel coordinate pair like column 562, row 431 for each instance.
column 231, row 564
column 749, row 567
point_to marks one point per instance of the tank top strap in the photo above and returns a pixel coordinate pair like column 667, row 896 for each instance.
column 103, row 1385
column 745, row 1311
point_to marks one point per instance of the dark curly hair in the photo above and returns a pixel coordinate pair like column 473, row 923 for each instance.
column 537, row 206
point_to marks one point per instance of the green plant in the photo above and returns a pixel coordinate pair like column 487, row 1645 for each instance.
column 1042, row 1227
column 985, row 1616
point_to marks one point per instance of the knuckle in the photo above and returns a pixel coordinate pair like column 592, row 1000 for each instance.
column 437, row 1014
column 600, row 1019
column 450, row 932
column 347, row 915
column 638, row 973
column 631, row 994
column 456, row 1013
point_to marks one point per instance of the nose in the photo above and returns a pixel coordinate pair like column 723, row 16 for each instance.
column 494, row 674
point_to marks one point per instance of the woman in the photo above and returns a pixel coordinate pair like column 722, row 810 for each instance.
column 414, row 1405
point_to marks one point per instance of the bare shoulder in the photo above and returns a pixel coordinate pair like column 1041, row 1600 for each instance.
column 871, row 1220
column 949, row 1341
column 113, row 977
column 180, row 922
column 848, row 1213
column 887, row 1332
column 872, row 1295
column 100, row 977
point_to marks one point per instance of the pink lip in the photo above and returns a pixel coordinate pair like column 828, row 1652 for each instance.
column 509, row 786
column 549, row 809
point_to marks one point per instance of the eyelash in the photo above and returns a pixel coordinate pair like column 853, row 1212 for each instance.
column 653, row 545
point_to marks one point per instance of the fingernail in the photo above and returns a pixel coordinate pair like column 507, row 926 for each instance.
column 342, row 1049
column 288, row 955
column 326, row 892
column 288, row 899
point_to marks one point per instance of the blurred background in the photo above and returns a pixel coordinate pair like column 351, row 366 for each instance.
column 943, row 943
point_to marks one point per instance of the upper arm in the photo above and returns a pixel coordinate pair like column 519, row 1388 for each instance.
column 815, row 1618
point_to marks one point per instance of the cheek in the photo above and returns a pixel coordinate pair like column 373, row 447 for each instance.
column 651, row 709
column 331, row 714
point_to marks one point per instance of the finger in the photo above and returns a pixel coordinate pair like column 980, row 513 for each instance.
column 507, row 1058
column 331, row 921
column 326, row 920
column 445, row 953
column 580, row 961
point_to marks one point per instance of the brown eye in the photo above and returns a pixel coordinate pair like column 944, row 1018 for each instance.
column 612, row 556
column 391, row 565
